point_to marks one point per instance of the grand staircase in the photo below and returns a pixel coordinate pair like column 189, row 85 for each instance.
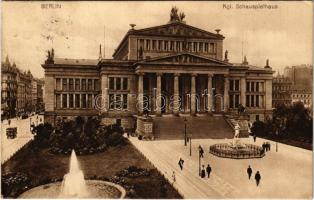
column 200, row 127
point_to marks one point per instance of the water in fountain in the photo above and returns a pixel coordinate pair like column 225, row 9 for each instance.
column 73, row 184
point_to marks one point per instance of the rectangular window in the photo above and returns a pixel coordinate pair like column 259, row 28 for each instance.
column 252, row 100
column 71, row 86
column 206, row 47
column 252, row 86
column 77, row 84
column 64, row 84
column 177, row 46
column 237, row 85
column 83, row 84
column 125, row 101
column 171, row 45
column 111, row 83
column 159, row 45
column 58, row 101
column 118, row 102
column 166, row 45
column 96, row 84
column 212, row 47
column 64, row 101
column 83, row 100
column 200, row 47
column 247, row 86
column 71, row 100
column 118, row 83
column 77, row 101
column 58, row 84
column 147, row 44
column 257, row 101
column 247, row 103
column 237, row 99
column 231, row 85
column 257, row 86
column 154, row 45
column 90, row 86
column 189, row 46
column 195, row 46
column 89, row 100
column 125, row 83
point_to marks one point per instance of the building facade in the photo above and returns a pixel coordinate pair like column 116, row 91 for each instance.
column 172, row 69
column 18, row 90
column 282, row 90
column 8, row 88
column 304, row 96
column 301, row 76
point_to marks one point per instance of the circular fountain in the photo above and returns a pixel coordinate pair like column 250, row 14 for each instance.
column 236, row 149
column 75, row 186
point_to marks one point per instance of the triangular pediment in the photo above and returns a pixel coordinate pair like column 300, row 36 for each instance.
column 177, row 29
column 186, row 58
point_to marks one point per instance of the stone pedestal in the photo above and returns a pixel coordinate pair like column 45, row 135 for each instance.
column 144, row 127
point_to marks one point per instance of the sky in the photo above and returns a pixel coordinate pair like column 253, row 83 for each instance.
column 283, row 35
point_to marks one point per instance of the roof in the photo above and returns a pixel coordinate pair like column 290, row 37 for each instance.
column 69, row 61
column 251, row 67
column 165, row 29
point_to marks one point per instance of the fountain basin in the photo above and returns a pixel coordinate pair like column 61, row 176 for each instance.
column 96, row 189
column 244, row 151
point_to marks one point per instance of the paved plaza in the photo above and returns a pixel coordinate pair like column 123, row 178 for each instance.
column 10, row 146
column 285, row 174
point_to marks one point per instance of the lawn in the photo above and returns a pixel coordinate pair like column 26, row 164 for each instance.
column 42, row 167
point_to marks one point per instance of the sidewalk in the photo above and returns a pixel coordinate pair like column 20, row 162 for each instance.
column 285, row 174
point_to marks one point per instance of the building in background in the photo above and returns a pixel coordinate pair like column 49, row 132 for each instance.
column 8, row 88
column 304, row 96
column 282, row 89
column 19, row 92
column 301, row 76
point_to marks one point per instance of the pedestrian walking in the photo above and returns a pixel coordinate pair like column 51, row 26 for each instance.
column 254, row 138
column 257, row 178
column 173, row 177
column 128, row 134
column 264, row 146
column 181, row 161
column 9, row 121
column 249, row 171
column 203, row 174
column 208, row 170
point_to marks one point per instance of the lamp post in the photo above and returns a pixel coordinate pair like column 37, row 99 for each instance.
column 185, row 120
column 199, row 161
column 190, row 139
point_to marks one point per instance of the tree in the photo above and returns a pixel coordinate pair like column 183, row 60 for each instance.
column 258, row 128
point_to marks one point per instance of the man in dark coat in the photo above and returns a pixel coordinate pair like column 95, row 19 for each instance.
column 249, row 171
column 201, row 151
column 254, row 138
column 181, row 161
column 208, row 170
column 257, row 178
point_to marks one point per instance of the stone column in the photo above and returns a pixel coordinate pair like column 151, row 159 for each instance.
column 140, row 100
column 226, row 93
column 193, row 94
column 210, row 93
column 176, row 94
column 158, row 94
column 104, row 93
column 243, row 91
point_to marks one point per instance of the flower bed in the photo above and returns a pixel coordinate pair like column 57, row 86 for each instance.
column 227, row 151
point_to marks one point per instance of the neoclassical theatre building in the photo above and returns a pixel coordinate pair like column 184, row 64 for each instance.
column 166, row 71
